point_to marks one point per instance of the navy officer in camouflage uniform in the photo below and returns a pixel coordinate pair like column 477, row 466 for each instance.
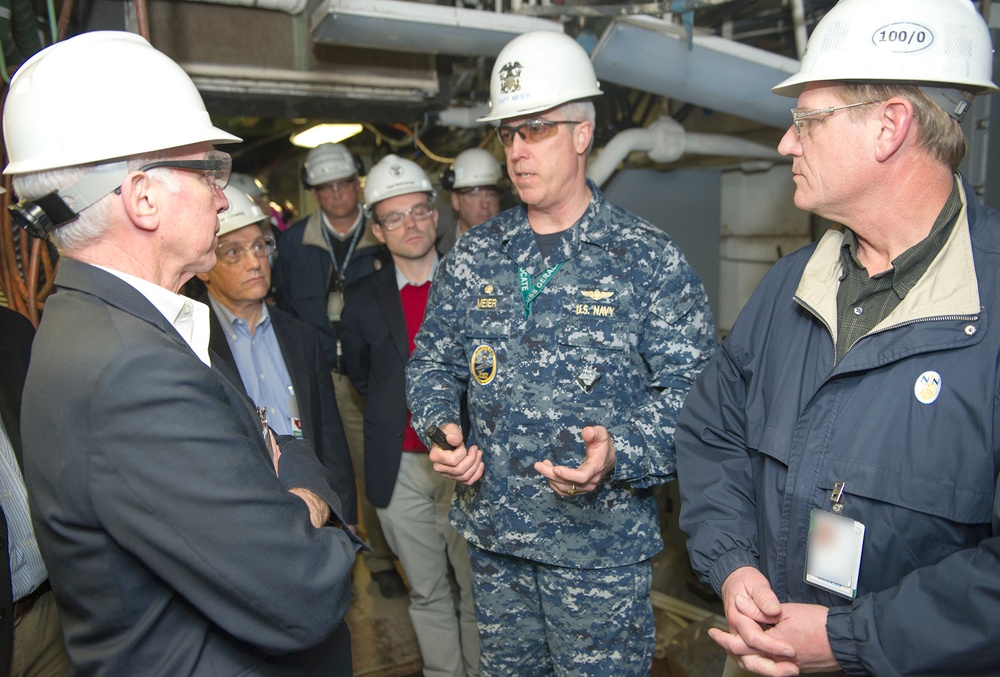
column 575, row 329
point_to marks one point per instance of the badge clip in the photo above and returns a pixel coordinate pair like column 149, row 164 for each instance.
column 265, row 428
column 837, row 497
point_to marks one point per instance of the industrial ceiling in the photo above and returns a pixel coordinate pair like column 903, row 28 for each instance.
column 416, row 74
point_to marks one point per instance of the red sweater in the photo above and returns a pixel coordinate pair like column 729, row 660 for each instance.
column 414, row 304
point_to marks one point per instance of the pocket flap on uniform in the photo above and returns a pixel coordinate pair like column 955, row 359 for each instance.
column 966, row 500
column 603, row 334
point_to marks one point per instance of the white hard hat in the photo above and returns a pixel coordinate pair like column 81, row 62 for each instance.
column 79, row 101
column 242, row 211
column 537, row 71
column 327, row 162
column 394, row 176
column 923, row 42
column 246, row 184
column 474, row 167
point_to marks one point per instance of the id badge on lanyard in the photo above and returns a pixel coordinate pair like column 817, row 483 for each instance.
column 833, row 555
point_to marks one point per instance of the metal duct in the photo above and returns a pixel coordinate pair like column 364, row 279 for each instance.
column 653, row 55
column 418, row 27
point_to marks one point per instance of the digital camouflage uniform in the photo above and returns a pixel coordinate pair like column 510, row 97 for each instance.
column 615, row 339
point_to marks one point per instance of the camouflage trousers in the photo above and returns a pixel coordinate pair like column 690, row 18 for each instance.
column 537, row 619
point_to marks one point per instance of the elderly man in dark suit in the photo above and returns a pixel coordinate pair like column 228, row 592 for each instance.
column 31, row 642
column 381, row 316
column 278, row 358
column 182, row 536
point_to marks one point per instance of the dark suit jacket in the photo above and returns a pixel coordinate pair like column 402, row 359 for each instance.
column 16, row 333
column 373, row 334
column 310, row 374
column 172, row 546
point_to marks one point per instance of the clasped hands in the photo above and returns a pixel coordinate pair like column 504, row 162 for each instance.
column 767, row 637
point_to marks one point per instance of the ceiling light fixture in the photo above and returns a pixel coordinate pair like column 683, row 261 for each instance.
column 325, row 133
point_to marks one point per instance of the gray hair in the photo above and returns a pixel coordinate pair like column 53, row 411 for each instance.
column 582, row 111
column 939, row 134
column 579, row 110
column 92, row 222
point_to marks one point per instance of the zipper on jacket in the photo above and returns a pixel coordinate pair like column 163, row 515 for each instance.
column 825, row 324
column 936, row 318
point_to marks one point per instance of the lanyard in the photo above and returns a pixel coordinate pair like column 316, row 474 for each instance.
column 530, row 292
column 341, row 272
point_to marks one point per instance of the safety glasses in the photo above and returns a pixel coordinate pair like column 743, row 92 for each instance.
column 216, row 166
column 396, row 219
column 802, row 116
column 532, row 131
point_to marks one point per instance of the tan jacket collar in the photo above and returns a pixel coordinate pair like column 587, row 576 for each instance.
column 949, row 287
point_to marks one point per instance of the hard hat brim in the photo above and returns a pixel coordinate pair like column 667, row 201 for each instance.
column 792, row 87
column 510, row 112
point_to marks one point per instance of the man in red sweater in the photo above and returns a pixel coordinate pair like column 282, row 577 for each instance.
column 382, row 314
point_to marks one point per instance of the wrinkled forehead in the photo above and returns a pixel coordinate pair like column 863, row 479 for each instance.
column 247, row 233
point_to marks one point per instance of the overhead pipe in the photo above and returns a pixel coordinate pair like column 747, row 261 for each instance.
column 465, row 117
column 665, row 140
column 624, row 143
column 799, row 25
column 142, row 18
column 685, row 9
column 289, row 6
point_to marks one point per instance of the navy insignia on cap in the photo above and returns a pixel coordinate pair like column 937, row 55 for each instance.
column 510, row 77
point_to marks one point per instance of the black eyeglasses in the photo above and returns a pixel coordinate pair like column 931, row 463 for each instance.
column 217, row 166
column 532, row 131
column 232, row 254
column 394, row 220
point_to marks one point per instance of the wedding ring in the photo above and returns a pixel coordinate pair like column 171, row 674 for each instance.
column 572, row 490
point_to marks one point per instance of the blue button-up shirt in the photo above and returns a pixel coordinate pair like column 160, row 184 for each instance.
column 27, row 571
column 262, row 367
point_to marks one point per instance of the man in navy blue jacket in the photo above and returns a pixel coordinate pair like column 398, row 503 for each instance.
column 838, row 458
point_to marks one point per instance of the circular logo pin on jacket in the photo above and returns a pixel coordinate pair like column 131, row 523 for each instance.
column 928, row 387
column 483, row 364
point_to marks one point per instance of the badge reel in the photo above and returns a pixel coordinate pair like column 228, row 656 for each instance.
column 833, row 559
